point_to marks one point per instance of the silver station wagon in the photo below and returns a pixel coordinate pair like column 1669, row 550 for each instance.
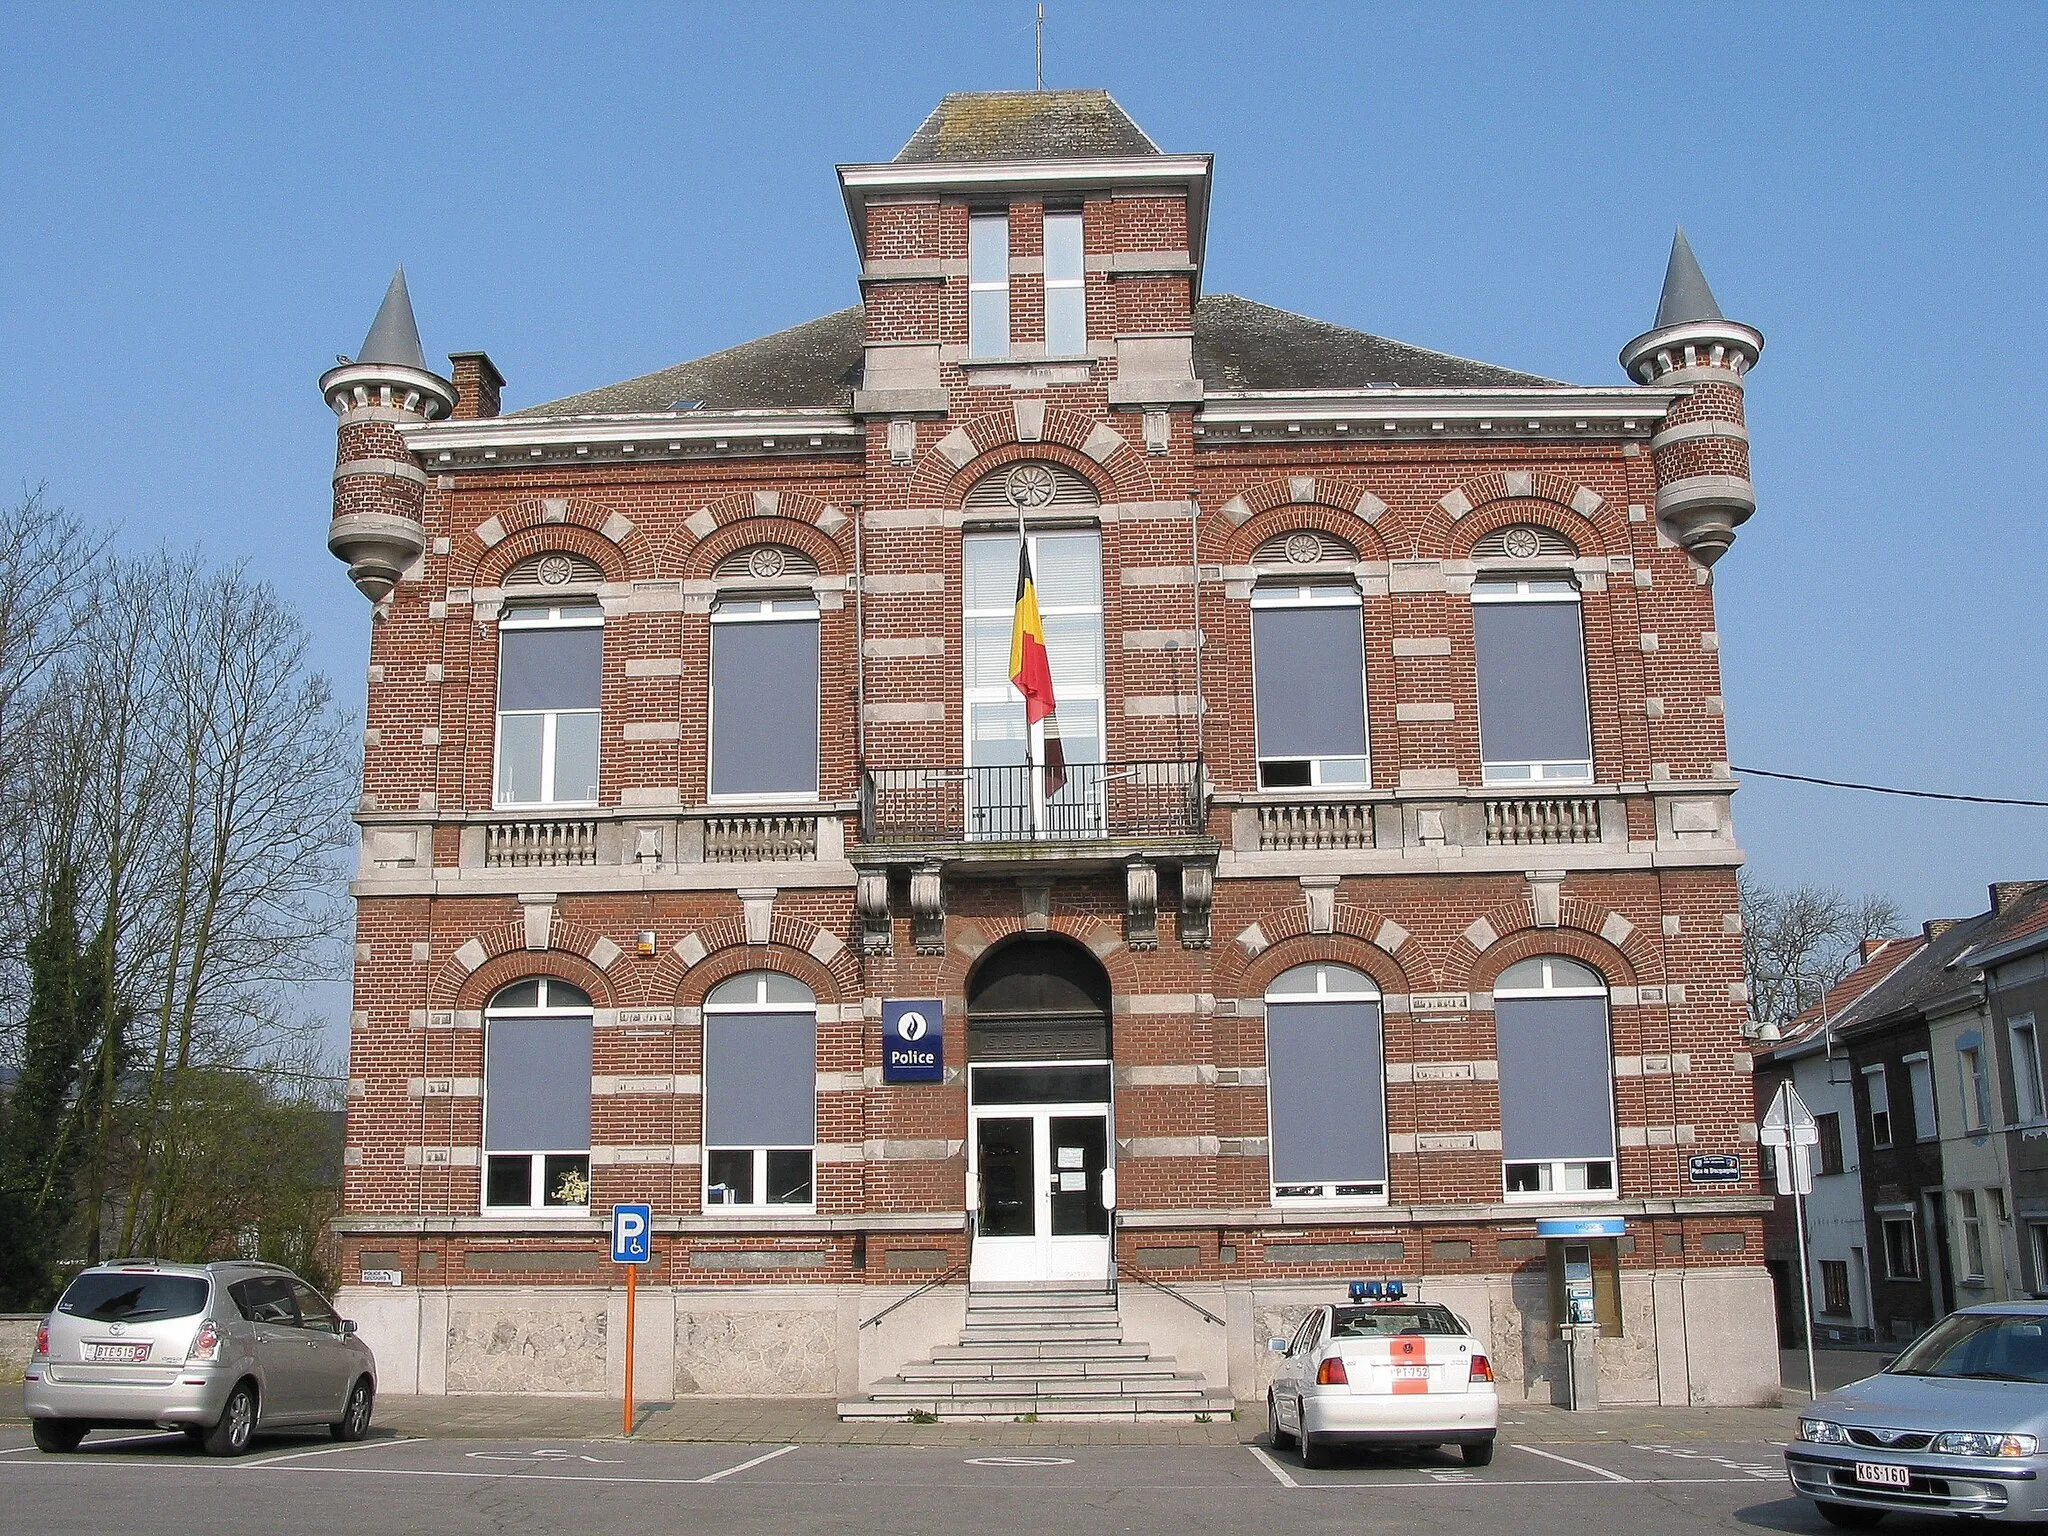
column 1955, row 1425
column 217, row 1350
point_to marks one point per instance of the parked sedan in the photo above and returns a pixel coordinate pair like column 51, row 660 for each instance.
column 1955, row 1425
column 217, row 1350
column 1383, row 1373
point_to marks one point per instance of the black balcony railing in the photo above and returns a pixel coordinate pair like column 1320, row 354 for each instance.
column 1008, row 803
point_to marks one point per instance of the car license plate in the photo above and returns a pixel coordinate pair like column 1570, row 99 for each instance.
column 1411, row 1373
column 1883, row 1474
column 128, row 1354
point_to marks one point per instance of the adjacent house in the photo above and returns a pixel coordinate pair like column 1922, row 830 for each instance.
column 2012, row 953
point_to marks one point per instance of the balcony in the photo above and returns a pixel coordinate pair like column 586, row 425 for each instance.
column 1100, row 804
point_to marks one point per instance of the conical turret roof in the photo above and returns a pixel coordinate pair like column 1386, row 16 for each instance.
column 1687, row 298
column 394, row 335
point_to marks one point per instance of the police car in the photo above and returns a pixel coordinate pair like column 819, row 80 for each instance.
column 1388, row 1369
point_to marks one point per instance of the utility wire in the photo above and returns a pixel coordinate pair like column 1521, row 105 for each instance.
column 1886, row 789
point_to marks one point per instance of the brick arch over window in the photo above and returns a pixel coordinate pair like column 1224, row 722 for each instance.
column 588, row 527
column 1095, row 449
column 1596, row 522
column 816, row 955
column 968, row 939
column 1257, row 975
column 1353, row 502
column 737, row 960
column 1239, row 974
column 454, row 987
column 1577, row 937
column 1290, row 517
column 797, row 518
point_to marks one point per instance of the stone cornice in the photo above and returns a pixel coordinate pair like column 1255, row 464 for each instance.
column 1383, row 415
column 511, row 442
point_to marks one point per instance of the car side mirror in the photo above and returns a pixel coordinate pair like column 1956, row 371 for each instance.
column 348, row 1327
column 1277, row 1346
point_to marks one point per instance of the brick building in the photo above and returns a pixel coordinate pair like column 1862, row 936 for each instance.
column 1387, row 908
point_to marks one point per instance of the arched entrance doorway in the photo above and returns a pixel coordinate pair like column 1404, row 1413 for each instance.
column 1039, row 1126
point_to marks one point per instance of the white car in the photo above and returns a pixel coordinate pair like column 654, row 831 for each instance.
column 1392, row 1372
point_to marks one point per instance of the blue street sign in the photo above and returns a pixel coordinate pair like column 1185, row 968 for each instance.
column 632, row 1234
column 914, row 1040
column 1714, row 1168
column 1583, row 1226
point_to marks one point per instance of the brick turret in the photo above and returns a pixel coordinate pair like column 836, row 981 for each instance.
column 1702, row 450
column 378, row 490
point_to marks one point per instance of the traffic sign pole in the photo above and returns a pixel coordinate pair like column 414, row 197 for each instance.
column 1805, row 1289
column 631, row 1271
column 632, row 1246
column 1789, row 1130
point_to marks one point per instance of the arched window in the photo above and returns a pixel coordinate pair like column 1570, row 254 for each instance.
column 1527, row 634
column 760, row 1092
column 550, row 672
column 537, row 1098
column 1326, row 1096
column 1556, row 1080
column 764, row 697
column 1308, row 682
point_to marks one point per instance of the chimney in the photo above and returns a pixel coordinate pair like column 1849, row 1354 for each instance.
column 478, row 385
column 2005, row 892
column 1935, row 927
column 1870, row 949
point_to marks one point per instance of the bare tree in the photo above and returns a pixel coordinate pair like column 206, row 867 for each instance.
column 1798, row 942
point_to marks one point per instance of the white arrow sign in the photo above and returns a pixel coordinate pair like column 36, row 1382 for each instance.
column 1790, row 1122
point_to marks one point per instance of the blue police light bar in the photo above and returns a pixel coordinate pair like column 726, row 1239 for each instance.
column 1377, row 1290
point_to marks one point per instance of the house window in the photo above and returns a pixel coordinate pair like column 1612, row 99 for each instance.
column 1830, row 1128
column 764, row 698
column 1920, row 1076
column 2040, row 1233
column 1308, row 685
column 1976, row 1092
column 760, row 1092
column 550, row 668
column 1556, row 1081
column 537, row 1098
column 1901, row 1249
column 1834, row 1287
column 1880, row 1106
column 1970, row 1221
column 1533, row 720
column 988, row 285
column 1066, row 298
column 2026, row 1070
column 1326, row 1109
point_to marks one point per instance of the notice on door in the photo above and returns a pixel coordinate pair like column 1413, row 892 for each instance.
column 1073, row 1183
column 914, row 1040
column 1070, row 1157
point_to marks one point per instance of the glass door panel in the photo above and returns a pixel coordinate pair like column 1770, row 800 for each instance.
column 1007, row 1161
column 1080, row 1148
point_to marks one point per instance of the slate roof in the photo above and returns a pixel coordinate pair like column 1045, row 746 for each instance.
column 1238, row 345
column 1686, row 297
column 1025, row 125
column 394, row 335
column 1929, row 973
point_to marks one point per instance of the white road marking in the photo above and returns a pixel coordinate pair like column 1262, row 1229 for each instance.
column 325, row 1450
column 1273, row 1467
column 16, row 1450
column 1583, row 1466
column 1019, row 1461
column 743, row 1466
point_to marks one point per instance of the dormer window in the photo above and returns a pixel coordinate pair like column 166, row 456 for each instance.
column 1066, row 297
column 988, row 285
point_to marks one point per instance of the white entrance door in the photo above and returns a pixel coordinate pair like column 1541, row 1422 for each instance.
column 1041, row 1172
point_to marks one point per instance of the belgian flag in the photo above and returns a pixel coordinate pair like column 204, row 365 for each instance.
column 1031, row 671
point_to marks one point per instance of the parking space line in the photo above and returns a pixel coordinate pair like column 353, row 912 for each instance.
column 1583, row 1466
column 324, row 1450
column 1273, row 1467
column 743, row 1466
column 16, row 1450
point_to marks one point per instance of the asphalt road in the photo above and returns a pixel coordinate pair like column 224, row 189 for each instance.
column 157, row 1483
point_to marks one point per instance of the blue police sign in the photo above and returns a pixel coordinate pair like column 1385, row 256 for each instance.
column 914, row 1040
column 632, row 1234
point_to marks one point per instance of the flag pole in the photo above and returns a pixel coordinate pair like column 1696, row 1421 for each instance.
column 1031, row 785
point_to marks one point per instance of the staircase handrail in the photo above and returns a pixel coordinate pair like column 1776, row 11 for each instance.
column 1161, row 1285
column 936, row 1280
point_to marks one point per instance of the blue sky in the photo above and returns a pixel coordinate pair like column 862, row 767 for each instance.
column 208, row 201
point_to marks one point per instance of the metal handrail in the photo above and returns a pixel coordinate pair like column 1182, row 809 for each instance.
column 901, row 1300
column 1161, row 1285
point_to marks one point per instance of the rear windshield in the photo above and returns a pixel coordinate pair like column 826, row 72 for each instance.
column 115, row 1297
column 1981, row 1346
column 1380, row 1322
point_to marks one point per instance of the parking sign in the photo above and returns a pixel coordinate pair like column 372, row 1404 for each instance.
column 632, row 1234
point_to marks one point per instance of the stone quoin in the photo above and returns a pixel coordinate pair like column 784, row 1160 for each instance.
column 1387, row 905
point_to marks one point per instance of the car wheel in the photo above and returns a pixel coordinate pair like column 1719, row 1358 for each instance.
column 354, row 1422
column 57, row 1436
column 1852, row 1517
column 1315, row 1451
column 1478, row 1453
column 1280, row 1439
column 230, row 1436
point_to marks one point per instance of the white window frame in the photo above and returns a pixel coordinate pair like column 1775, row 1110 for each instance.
column 1920, row 1087
column 1878, row 1091
column 535, row 1205
column 1323, row 772
column 1537, row 587
column 1330, row 1193
column 977, row 351
column 2029, row 1098
column 763, row 608
column 1075, row 283
column 1568, row 1178
column 580, row 614
column 759, row 1206
column 1970, row 1234
column 1884, row 1225
column 1976, row 1087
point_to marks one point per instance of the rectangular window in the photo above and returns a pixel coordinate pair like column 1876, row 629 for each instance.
column 1556, row 1096
column 764, row 699
column 2026, row 1070
column 1326, row 1101
column 1534, row 725
column 1976, row 1092
column 1308, row 686
column 1830, row 1128
column 1970, row 1220
column 1920, row 1076
column 537, row 1114
column 1066, row 297
column 1834, row 1287
column 1901, row 1250
column 550, row 672
column 1880, row 1106
column 988, row 285
column 760, row 1108
column 2040, row 1232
